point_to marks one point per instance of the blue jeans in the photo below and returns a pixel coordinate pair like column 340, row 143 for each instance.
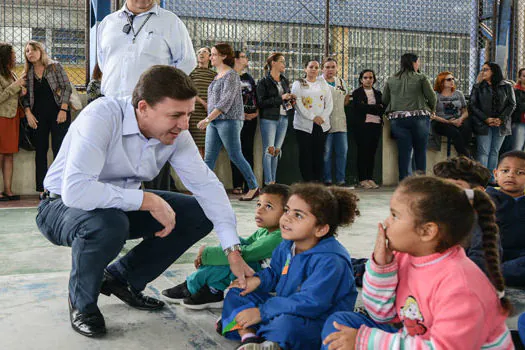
column 518, row 136
column 353, row 320
column 411, row 134
column 488, row 148
column 96, row 237
column 228, row 133
column 273, row 133
column 337, row 143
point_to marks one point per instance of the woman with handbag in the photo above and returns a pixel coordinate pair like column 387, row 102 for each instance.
column 46, row 105
column 11, row 87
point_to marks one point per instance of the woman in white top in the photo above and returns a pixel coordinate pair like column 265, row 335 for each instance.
column 337, row 140
column 312, row 120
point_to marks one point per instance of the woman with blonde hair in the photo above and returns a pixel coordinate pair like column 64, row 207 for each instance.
column 451, row 117
column 46, row 104
column 11, row 87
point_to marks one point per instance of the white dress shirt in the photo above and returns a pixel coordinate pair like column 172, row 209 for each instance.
column 104, row 158
column 164, row 39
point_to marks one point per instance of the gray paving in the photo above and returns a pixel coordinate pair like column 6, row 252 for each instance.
column 34, row 276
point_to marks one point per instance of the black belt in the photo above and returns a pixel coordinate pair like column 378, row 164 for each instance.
column 50, row 195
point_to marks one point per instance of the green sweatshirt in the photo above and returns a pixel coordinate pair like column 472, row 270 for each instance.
column 257, row 247
column 410, row 92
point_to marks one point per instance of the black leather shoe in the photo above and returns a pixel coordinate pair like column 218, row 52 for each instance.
column 88, row 324
column 123, row 291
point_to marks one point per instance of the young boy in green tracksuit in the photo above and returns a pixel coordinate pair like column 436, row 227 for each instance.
column 204, row 288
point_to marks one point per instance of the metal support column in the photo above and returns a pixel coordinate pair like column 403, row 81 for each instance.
column 99, row 10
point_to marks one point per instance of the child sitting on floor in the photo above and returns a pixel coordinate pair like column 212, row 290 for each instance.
column 310, row 273
column 419, row 275
column 205, row 288
column 468, row 174
column 510, row 214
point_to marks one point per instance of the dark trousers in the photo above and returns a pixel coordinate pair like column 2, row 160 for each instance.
column 367, row 139
column 47, row 123
column 460, row 137
column 247, row 139
column 411, row 134
column 311, row 153
column 513, row 267
column 97, row 237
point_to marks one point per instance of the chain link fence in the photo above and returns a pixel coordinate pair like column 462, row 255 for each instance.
column 362, row 33
column 446, row 34
column 59, row 24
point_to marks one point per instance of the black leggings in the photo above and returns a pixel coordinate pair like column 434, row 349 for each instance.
column 311, row 153
column 367, row 138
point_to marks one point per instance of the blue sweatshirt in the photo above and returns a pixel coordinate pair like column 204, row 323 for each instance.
column 510, row 216
column 313, row 284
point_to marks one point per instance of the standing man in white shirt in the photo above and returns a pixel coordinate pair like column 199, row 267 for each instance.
column 134, row 38
column 94, row 202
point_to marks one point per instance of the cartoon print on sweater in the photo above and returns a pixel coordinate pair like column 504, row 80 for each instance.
column 412, row 318
column 307, row 102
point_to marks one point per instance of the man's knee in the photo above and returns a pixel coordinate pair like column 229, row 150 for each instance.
column 270, row 150
column 106, row 225
column 276, row 152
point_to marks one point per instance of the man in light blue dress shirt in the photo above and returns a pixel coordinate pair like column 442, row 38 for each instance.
column 134, row 38
column 95, row 202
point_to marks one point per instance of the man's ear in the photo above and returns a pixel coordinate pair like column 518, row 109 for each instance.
column 142, row 106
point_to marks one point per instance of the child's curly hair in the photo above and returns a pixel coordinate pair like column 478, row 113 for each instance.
column 333, row 206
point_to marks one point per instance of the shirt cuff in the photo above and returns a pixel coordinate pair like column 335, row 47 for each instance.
column 392, row 267
column 132, row 199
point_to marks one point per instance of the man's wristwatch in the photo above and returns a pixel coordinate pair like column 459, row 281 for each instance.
column 207, row 120
column 233, row 248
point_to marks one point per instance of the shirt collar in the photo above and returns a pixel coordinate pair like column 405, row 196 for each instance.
column 154, row 10
column 130, row 125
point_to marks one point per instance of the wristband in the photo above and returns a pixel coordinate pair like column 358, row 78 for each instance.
column 207, row 120
column 65, row 110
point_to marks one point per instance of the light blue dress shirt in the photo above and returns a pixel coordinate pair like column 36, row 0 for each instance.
column 164, row 39
column 104, row 158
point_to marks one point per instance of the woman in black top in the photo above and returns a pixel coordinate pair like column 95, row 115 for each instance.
column 275, row 102
column 46, row 105
column 250, row 120
column 368, row 108
column 492, row 102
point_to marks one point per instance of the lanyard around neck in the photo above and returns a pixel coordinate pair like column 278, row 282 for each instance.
column 130, row 22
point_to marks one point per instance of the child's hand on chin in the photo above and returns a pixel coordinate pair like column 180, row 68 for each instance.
column 252, row 283
column 344, row 339
column 382, row 253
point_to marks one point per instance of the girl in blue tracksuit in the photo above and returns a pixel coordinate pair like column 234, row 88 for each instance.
column 310, row 273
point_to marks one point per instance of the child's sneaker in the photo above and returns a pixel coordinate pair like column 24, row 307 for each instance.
column 250, row 343
column 177, row 293
column 258, row 343
column 204, row 299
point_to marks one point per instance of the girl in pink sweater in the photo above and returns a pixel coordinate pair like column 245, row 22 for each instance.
column 419, row 276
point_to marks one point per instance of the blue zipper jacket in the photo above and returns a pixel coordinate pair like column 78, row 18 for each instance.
column 510, row 217
column 313, row 284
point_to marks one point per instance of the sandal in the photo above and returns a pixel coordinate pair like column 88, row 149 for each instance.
column 14, row 197
column 246, row 198
column 237, row 190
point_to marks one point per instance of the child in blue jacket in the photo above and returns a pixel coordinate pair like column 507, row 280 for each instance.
column 310, row 273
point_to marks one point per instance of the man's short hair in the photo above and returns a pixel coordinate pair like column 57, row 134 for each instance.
column 280, row 190
column 512, row 154
column 463, row 168
column 159, row 82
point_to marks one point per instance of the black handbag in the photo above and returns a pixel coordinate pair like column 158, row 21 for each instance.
column 26, row 138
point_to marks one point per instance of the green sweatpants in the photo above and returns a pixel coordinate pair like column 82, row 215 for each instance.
column 218, row 277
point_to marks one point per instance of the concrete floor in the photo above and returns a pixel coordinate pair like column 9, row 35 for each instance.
column 34, row 277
